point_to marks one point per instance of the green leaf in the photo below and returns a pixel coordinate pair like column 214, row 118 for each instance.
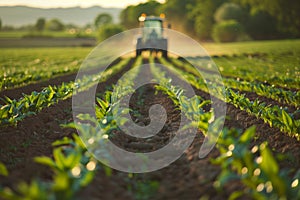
column 45, row 161
column 3, row 170
column 61, row 181
column 64, row 141
column 236, row 195
column 248, row 135
column 268, row 164
column 88, row 177
column 287, row 120
column 59, row 158
column 72, row 160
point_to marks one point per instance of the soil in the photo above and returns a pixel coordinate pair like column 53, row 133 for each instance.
column 187, row 178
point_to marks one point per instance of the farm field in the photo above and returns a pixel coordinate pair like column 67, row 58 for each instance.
column 257, row 155
column 21, row 34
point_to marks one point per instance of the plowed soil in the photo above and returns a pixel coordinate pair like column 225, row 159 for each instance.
column 187, row 178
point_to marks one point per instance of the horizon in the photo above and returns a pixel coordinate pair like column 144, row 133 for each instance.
column 74, row 3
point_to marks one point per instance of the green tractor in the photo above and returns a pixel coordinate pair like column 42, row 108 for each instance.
column 152, row 37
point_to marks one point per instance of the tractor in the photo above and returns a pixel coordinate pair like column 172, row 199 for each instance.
column 152, row 37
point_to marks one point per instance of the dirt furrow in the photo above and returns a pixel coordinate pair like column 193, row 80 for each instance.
column 187, row 178
column 34, row 135
column 16, row 93
column 278, row 141
column 252, row 95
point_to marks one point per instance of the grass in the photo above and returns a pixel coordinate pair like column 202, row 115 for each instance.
column 35, row 59
column 265, row 61
column 55, row 34
column 270, row 47
column 262, row 58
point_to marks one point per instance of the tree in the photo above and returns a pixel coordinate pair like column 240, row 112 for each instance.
column 109, row 30
column 229, row 11
column 203, row 15
column 129, row 16
column 40, row 24
column 227, row 31
column 103, row 19
column 178, row 13
column 286, row 12
column 55, row 25
column 261, row 25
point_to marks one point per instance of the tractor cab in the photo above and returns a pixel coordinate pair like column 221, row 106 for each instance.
column 152, row 38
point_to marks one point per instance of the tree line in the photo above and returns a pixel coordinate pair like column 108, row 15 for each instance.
column 218, row 20
column 224, row 20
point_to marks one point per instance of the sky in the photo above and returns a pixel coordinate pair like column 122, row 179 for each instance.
column 71, row 3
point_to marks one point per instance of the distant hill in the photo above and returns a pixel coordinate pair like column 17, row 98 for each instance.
column 23, row 15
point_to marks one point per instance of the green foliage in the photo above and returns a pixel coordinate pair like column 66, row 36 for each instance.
column 129, row 16
column 109, row 30
column 257, row 169
column 273, row 115
column 103, row 19
column 73, row 169
column 55, row 25
column 176, row 11
column 191, row 107
column 202, row 14
column 196, row 17
column 278, row 94
column 284, row 12
column 230, row 11
column 3, row 170
column 227, row 31
column 261, row 25
column 40, row 24
column 14, row 110
column 72, row 165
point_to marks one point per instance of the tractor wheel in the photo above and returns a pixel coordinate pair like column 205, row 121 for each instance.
column 165, row 54
column 138, row 52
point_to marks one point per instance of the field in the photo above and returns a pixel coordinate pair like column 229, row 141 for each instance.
column 257, row 155
column 53, row 34
column 25, row 39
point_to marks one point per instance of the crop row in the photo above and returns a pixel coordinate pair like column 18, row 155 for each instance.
column 74, row 167
column 35, row 64
column 15, row 110
column 261, row 68
column 262, row 89
column 191, row 107
column 72, row 164
column 273, row 115
column 15, row 75
column 256, row 168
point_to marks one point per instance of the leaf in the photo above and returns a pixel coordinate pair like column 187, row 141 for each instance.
column 89, row 176
column 64, row 141
column 268, row 164
column 287, row 120
column 59, row 158
column 45, row 161
column 61, row 182
column 248, row 134
column 236, row 195
column 72, row 159
column 3, row 170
